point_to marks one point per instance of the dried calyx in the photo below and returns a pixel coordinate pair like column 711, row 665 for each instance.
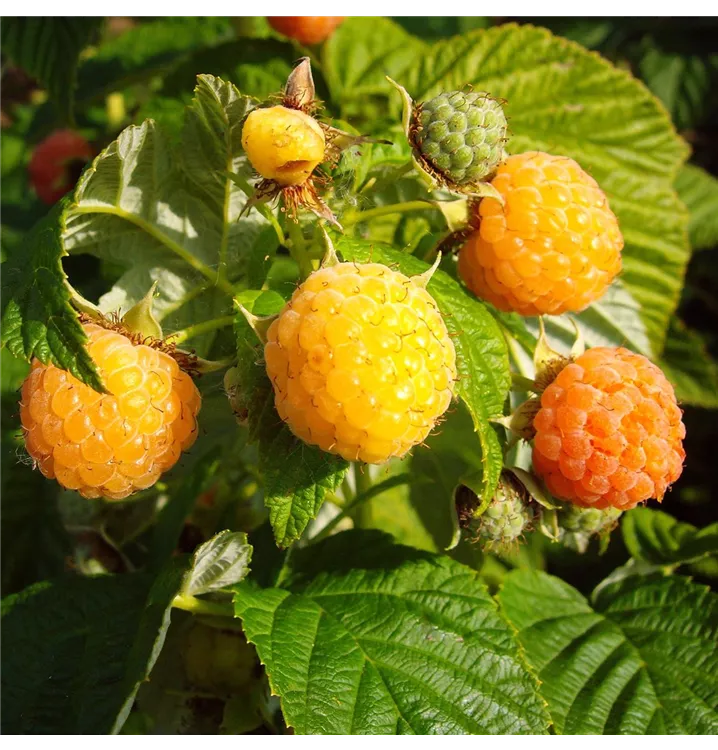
column 285, row 144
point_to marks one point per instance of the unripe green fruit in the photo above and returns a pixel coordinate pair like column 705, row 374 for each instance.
column 506, row 518
column 218, row 661
column 577, row 525
column 462, row 135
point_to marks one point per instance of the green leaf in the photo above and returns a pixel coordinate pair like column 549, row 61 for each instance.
column 220, row 562
column 588, row 32
column 259, row 67
column 642, row 660
column 613, row 320
column 482, row 357
column 699, row 191
column 370, row 637
column 437, row 468
column 34, row 543
column 356, row 60
column 49, row 50
column 148, row 50
column 565, row 100
column 78, row 670
column 170, row 213
column 688, row 365
column 296, row 476
column 436, row 27
column 261, row 255
column 682, row 81
column 657, row 538
column 389, row 505
column 38, row 319
column 172, row 517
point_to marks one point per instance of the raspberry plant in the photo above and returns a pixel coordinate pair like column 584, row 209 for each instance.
column 274, row 370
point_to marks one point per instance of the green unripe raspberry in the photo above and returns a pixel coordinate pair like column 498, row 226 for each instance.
column 461, row 135
column 506, row 518
column 577, row 525
column 218, row 661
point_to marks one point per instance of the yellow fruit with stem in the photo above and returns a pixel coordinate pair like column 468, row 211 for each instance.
column 284, row 145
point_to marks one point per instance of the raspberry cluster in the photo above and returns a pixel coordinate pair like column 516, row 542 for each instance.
column 112, row 444
column 361, row 362
column 609, row 431
column 554, row 246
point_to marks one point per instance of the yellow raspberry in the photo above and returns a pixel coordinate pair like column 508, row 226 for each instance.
column 361, row 362
column 218, row 661
column 110, row 445
column 609, row 432
column 284, row 145
column 555, row 245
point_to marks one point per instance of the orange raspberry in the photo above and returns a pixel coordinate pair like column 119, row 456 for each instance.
column 613, row 435
column 110, row 445
column 305, row 29
column 555, row 245
column 361, row 362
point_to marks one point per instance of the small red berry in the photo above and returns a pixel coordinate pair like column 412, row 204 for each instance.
column 306, row 29
column 56, row 164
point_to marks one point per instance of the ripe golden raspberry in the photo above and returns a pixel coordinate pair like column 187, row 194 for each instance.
column 609, row 431
column 555, row 245
column 110, row 445
column 284, row 145
column 361, row 362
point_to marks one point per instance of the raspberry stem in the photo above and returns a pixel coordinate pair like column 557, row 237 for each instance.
column 359, row 498
column 196, row 606
column 179, row 337
column 161, row 237
column 393, row 208
column 298, row 248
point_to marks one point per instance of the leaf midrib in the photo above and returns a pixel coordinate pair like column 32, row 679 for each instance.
column 161, row 237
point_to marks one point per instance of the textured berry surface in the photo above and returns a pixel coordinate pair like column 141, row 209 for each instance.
column 283, row 144
column 555, row 245
column 361, row 362
column 577, row 525
column 110, row 445
column 56, row 164
column 305, row 29
column 219, row 661
column 506, row 518
column 462, row 135
column 609, row 432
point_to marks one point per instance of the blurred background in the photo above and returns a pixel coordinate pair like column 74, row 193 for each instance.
column 128, row 69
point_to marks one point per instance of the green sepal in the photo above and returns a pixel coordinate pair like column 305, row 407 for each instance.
column 140, row 319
